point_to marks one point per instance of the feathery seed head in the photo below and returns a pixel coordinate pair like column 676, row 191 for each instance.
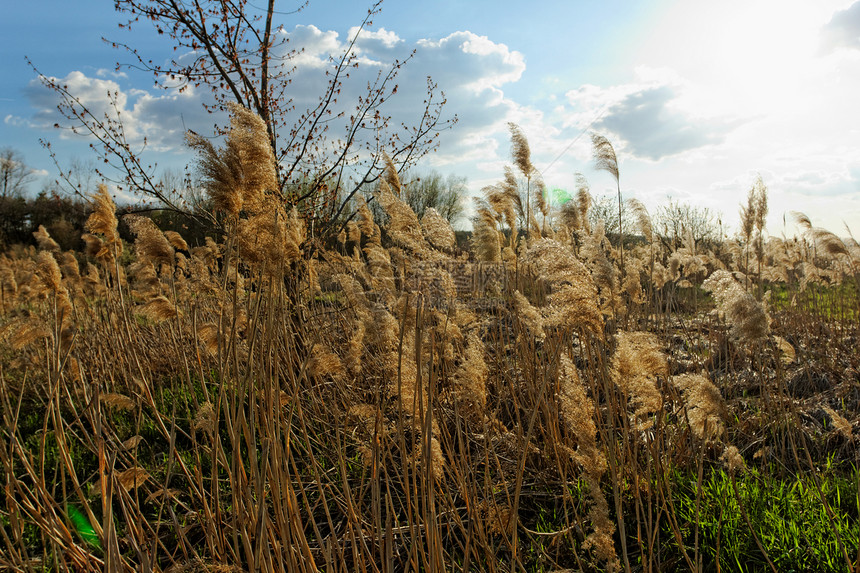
column 158, row 309
column 733, row 460
column 176, row 240
column 705, row 406
column 150, row 242
column 529, row 316
column 573, row 301
column 604, row 155
column 49, row 271
column 637, row 365
column 520, row 150
column 239, row 176
column 44, row 239
column 437, row 230
column 748, row 318
column 102, row 221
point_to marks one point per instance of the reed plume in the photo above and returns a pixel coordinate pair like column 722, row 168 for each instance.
column 119, row 401
column 570, row 216
column 573, row 302
column 49, row 271
column 158, row 309
column 520, row 151
column 102, row 221
column 44, row 240
column 70, row 268
column 366, row 226
column 840, row 424
column 733, row 460
column 379, row 268
column 390, row 175
column 603, row 272
column 637, row 366
column 271, row 238
column 208, row 334
column 176, row 240
column 132, row 478
column 786, row 350
column 521, row 154
column 539, row 201
column 355, row 349
column 706, row 409
column 486, row 240
column 747, row 317
column 323, row 362
column 643, row 219
column 23, row 332
column 403, row 226
column 239, row 176
column 748, row 216
column 437, row 231
column 511, row 192
column 471, row 379
column 583, row 201
column 500, row 200
column 205, row 418
column 8, row 282
column 150, row 243
column 577, row 411
column 529, row 316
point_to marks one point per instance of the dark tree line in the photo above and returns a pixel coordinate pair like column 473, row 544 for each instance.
column 63, row 216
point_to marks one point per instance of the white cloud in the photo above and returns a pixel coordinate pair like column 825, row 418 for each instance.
column 106, row 73
column 476, row 61
column 159, row 119
column 313, row 46
column 649, row 117
column 16, row 121
column 375, row 41
column 843, row 30
column 470, row 69
column 696, row 125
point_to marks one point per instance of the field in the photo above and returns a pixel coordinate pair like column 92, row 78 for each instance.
column 389, row 401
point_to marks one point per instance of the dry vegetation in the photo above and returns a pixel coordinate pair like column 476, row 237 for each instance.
column 389, row 403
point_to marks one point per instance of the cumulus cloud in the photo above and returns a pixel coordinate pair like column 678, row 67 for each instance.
column 824, row 195
column 471, row 70
column 157, row 118
column 647, row 117
column 312, row 45
column 653, row 129
column 375, row 41
column 843, row 30
column 818, row 183
column 478, row 62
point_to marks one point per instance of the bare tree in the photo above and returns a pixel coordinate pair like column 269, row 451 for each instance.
column 234, row 49
column 424, row 191
column 674, row 220
column 445, row 194
column 15, row 176
column 605, row 208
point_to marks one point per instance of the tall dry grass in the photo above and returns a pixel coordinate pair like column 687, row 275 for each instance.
column 390, row 404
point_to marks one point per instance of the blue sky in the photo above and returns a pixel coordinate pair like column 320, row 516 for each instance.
column 698, row 97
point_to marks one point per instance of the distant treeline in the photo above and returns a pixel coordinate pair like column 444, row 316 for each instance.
column 64, row 218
